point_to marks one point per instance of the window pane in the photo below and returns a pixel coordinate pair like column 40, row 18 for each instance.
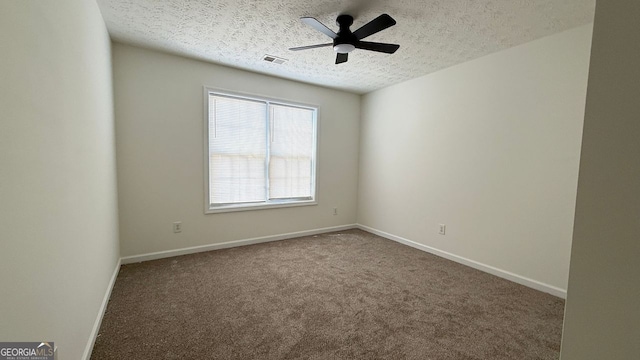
column 237, row 150
column 290, row 163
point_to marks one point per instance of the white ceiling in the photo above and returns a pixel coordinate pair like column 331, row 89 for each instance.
column 433, row 34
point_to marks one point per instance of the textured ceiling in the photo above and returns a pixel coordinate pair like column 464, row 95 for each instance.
column 433, row 34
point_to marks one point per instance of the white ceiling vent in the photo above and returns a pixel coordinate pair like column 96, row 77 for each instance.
column 274, row 59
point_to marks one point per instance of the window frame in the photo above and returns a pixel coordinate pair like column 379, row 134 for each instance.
column 267, row 204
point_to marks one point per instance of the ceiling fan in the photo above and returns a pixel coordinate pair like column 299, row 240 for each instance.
column 346, row 41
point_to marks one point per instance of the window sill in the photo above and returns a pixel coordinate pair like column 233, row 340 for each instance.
column 250, row 207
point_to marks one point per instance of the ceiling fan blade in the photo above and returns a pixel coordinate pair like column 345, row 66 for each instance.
column 319, row 26
column 310, row 47
column 378, row 24
column 379, row 47
column 341, row 58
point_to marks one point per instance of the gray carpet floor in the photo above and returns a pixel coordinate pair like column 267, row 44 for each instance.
column 345, row 295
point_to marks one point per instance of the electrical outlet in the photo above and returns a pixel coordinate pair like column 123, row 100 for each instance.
column 177, row 227
column 442, row 230
column 335, row 211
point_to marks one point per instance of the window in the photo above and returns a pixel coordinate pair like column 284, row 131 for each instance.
column 260, row 153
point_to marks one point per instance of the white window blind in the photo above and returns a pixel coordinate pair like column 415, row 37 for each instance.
column 237, row 150
column 291, row 152
column 259, row 152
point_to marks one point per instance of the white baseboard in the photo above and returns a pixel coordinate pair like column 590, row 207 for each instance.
column 96, row 326
column 534, row 284
column 230, row 244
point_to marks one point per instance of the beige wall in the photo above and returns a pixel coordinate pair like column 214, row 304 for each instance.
column 159, row 124
column 602, row 318
column 58, row 211
column 491, row 149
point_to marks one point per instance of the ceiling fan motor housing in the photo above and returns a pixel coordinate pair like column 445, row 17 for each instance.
column 345, row 41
